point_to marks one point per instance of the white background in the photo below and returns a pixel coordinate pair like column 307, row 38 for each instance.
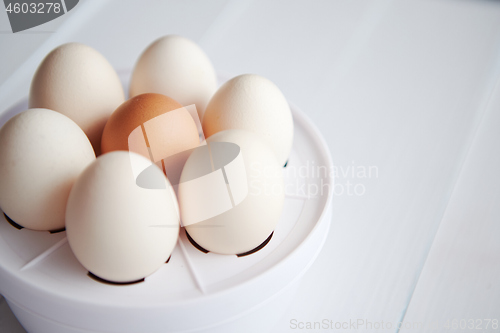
column 408, row 87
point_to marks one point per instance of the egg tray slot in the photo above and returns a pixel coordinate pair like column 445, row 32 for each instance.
column 12, row 223
column 104, row 281
column 19, row 227
column 258, row 248
column 101, row 280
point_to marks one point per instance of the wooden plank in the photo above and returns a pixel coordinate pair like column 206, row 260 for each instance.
column 459, row 287
column 409, row 105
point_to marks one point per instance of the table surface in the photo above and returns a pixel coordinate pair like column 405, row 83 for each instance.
column 407, row 89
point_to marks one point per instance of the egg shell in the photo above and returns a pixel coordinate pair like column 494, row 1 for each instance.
column 79, row 82
column 177, row 67
column 118, row 230
column 42, row 153
column 252, row 102
column 249, row 223
column 167, row 127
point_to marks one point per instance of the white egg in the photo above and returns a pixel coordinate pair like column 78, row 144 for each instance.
column 77, row 81
column 122, row 218
column 253, row 103
column 178, row 68
column 231, row 205
column 42, row 153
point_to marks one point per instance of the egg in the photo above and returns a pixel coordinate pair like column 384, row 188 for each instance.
column 231, row 193
column 252, row 102
column 77, row 81
column 42, row 153
column 176, row 67
column 118, row 230
column 153, row 125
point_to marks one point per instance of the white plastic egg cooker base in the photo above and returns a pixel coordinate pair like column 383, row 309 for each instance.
column 50, row 292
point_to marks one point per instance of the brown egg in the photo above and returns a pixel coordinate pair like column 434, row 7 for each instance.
column 153, row 125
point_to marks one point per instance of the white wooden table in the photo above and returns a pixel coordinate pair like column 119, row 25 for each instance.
column 409, row 90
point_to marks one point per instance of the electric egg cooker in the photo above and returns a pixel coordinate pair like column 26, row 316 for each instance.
column 49, row 291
